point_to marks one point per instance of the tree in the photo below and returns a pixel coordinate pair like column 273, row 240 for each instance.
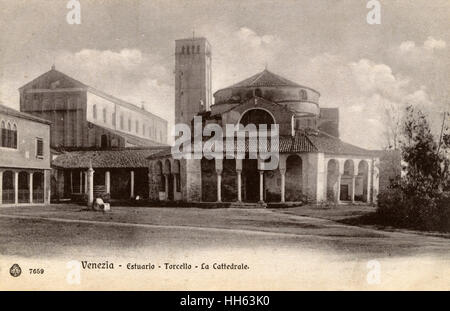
column 427, row 168
column 420, row 199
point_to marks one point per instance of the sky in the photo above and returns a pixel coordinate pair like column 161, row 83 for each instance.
column 126, row 48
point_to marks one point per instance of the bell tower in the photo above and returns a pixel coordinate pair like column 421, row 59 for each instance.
column 192, row 78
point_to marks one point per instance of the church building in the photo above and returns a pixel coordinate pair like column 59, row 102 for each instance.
column 314, row 164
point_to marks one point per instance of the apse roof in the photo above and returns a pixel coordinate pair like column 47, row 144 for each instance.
column 265, row 78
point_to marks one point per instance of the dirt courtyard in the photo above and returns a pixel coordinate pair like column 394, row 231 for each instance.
column 305, row 243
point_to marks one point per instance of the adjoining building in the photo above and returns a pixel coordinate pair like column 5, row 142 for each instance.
column 90, row 127
column 84, row 117
column 314, row 164
column 121, row 173
column 24, row 158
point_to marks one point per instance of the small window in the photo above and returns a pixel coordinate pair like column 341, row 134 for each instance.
column 182, row 50
column 39, row 148
column 94, row 112
column 104, row 115
column 198, row 49
column 113, row 119
column 137, row 126
column 303, row 95
column 188, row 50
column 121, row 122
column 129, row 125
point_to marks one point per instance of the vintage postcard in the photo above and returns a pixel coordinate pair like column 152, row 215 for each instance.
column 224, row 145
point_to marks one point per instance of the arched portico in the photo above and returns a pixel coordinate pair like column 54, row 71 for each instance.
column 294, row 178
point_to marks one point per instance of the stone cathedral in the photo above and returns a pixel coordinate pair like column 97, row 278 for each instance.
column 314, row 164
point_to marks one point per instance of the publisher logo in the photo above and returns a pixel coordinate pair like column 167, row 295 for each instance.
column 15, row 270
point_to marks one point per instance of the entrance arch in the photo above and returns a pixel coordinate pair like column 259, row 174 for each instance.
column 168, row 173
column 347, row 180
column 24, row 190
column 257, row 116
column 38, row 187
column 332, row 180
column 209, row 180
column 294, row 178
column 362, row 181
column 8, row 195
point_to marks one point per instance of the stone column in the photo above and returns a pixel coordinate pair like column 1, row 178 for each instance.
column 166, row 177
column 352, row 193
column 1, row 187
column 108, row 182
column 261, row 186
column 175, row 177
column 338, row 190
column 239, row 185
column 47, row 186
column 16, row 187
column 90, row 178
column 30, row 185
column 81, row 182
column 219, row 185
column 71, row 182
column 239, row 179
column 132, row 184
column 283, row 185
column 85, row 182
column 369, row 181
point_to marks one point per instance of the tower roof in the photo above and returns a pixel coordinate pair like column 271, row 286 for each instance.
column 264, row 78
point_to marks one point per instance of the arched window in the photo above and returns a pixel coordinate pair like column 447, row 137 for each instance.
column 104, row 141
column 14, row 136
column 104, row 115
column 257, row 117
column 258, row 92
column 94, row 111
column 8, row 136
column 303, row 95
column 4, row 134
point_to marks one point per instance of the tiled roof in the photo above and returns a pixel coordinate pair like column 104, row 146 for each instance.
column 16, row 113
column 330, row 144
column 118, row 158
column 265, row 78
column 132, row 139
column 301, row 142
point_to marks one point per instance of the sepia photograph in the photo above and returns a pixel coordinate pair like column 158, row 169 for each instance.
column 217, row 145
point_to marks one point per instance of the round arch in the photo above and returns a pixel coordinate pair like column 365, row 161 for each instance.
column 294, row 178
column 256, row 116
column 332, row 180
column 362, row 182
column 8, row 193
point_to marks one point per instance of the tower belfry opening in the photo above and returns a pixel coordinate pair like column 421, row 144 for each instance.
column 192, row 78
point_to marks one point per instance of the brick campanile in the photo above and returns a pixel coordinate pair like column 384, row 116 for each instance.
column 192, row 78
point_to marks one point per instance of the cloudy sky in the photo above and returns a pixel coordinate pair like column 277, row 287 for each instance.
column 126, row 48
